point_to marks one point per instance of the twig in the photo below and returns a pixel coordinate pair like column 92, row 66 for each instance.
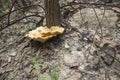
column 10, row 11
column 13, row 22
column 1, row 17
column 85, row 3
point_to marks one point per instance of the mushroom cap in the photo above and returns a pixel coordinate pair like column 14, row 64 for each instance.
column 42, row 34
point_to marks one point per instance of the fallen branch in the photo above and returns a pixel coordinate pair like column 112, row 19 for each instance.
column 1, row 17
column 13, row 22
column 96, row 4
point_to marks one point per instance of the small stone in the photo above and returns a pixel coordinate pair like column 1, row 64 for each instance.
column 77, row 75
column 66, row 45
column 64, row 73
column 13, row 53
column 78, row 49
column 9, row 59
column 74, row 66
column 28, row 69
column 69, row 0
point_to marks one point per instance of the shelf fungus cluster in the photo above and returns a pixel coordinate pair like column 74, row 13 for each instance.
column 42, row 34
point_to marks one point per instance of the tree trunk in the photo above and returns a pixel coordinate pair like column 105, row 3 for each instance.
column 52, row 11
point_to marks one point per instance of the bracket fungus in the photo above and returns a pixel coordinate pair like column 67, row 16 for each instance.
column 42, row 34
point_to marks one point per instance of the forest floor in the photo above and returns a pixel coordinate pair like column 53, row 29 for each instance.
column 89, row 49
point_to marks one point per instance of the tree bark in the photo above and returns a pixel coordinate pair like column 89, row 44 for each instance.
column 52, row 11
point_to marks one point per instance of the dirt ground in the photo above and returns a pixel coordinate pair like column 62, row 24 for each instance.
column 89, row 49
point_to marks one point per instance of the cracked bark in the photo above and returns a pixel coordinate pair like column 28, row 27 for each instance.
column 52, row 11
